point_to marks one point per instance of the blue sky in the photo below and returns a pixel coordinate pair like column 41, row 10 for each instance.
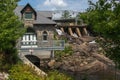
column 47, row 5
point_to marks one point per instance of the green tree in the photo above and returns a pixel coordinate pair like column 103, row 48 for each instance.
column 66, row 14
column 10, row 30
column 104, row 18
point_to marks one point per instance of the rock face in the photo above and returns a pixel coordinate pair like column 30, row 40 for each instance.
column 86, row 60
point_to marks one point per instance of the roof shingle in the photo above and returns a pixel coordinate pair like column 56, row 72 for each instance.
column 42, row 16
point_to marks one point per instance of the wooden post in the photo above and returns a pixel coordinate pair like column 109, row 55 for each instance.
column 85, row 31
column 70, row 31
column 78, row 32
column 52, row 54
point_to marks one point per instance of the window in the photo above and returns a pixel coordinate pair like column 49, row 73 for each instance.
column 45, row 36
column 29, row 39
column 28, row 15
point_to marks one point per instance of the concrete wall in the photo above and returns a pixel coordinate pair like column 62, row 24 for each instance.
column 27, row 62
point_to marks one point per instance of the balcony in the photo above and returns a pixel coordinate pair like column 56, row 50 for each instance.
column 41, row 45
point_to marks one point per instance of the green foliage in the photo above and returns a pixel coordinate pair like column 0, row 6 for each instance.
column 66, row 52
column 10, row 30
column 56, row 75
column 10, row 26
column 66, row 15
column 104, row 18
column 22, row 72
column 4, row 64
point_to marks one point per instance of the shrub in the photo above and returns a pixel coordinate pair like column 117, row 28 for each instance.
column 22, row 72
column 56, row 75
column 66, row 52
column 7, row 60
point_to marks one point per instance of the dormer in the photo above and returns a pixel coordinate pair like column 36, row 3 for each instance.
column 28, row 13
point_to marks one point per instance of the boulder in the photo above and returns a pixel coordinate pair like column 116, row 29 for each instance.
column 51, row 64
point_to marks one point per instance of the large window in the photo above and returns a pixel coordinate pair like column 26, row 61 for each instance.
column 29, row 39
column 28, row 15
column 45, row 35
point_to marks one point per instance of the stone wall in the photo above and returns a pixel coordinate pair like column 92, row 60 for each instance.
column 27, row 62
column 40, row 29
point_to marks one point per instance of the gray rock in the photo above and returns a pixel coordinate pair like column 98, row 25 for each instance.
column 57, row 65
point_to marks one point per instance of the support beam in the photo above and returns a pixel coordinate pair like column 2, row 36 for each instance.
column 62, row 29
column 70, row 31
column 39, row 38
column 52, row 54
column 78, row 32
column 85, row 31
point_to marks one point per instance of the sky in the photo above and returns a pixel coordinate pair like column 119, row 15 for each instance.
column 48, row 5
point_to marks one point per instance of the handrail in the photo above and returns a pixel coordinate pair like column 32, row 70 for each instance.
column 51, row 45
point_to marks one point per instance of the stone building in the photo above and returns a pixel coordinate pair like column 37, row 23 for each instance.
column 38, row 24
column 40, row 28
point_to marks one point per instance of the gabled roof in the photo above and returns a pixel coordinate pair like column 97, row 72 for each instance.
column 42, row 17
column 28, row 5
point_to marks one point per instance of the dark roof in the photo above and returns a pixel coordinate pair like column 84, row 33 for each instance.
column 17, row 10
column 27, row 6
column 65, row 20
column 41, row 19
column 42, row 16
column 46, row 13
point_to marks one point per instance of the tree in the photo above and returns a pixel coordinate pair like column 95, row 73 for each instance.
column 104, row 18
column 66, row 15
column 10, row 30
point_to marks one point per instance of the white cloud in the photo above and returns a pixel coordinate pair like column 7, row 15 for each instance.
column 56, row 3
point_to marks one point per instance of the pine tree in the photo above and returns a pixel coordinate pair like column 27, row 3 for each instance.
column 10, row 29
column 66, row 14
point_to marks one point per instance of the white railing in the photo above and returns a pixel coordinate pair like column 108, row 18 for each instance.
column 29, row 42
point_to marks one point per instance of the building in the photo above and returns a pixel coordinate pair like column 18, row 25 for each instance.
column 40, row 28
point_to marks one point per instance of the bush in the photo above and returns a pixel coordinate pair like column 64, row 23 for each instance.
column 22, row 72
column 7, row 60
column 4, row 65
column 66, row 52
column 56, row 75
